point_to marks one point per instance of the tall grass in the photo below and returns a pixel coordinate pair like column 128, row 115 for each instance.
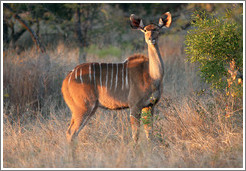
column 188, row 133
column 190, row 130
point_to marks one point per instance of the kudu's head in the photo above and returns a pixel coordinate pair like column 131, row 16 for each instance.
column 151, row 31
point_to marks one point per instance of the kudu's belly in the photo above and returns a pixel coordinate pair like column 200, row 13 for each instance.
column 113, row 99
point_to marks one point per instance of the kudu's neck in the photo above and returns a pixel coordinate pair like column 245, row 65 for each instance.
column 156, row 65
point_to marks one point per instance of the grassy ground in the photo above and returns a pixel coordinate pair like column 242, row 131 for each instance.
column 191, row 129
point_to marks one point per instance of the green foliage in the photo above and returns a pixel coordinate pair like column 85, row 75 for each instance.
column 213, row 43
column 105, row 51
column 146, row 116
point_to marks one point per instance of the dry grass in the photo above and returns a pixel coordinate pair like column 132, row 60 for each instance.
column 190, row 130
column 189, row 133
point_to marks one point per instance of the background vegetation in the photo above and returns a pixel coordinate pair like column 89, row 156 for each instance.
column 195, row 125
column 214, row 42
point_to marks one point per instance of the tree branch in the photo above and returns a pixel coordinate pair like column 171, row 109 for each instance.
column 29, row 29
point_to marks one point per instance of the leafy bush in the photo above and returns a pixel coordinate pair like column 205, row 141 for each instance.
column 215, row 42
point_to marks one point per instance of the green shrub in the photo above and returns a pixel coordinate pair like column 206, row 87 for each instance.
column 213, row 43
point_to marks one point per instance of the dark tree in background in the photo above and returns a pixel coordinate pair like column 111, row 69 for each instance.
column 86, row 14
column 84, row 20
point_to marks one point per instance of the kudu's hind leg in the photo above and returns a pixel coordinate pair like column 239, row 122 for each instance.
column 79, row 119
column 135, row 123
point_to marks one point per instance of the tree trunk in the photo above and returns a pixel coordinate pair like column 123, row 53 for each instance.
column 80, row 38
column 5, row 33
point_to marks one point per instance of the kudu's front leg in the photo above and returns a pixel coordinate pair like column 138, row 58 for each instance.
column 147, row 119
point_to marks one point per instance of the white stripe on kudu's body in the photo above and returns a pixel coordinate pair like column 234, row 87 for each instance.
column 127, row 74
column 112, row 74
column 116, row 76
column 106, row 84
column 81, row 72
column 94, row 72
column 71, row 73
column 100, row 75
column 122, row 77
column 139, row 88
column 90, row 71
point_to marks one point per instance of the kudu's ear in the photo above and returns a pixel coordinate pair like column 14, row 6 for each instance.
column 136, row 22
column 165, row 20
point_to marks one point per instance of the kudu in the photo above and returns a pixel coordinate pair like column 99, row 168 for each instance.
column 136, row 83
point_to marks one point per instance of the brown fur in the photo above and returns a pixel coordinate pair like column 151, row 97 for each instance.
column 135, row 83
